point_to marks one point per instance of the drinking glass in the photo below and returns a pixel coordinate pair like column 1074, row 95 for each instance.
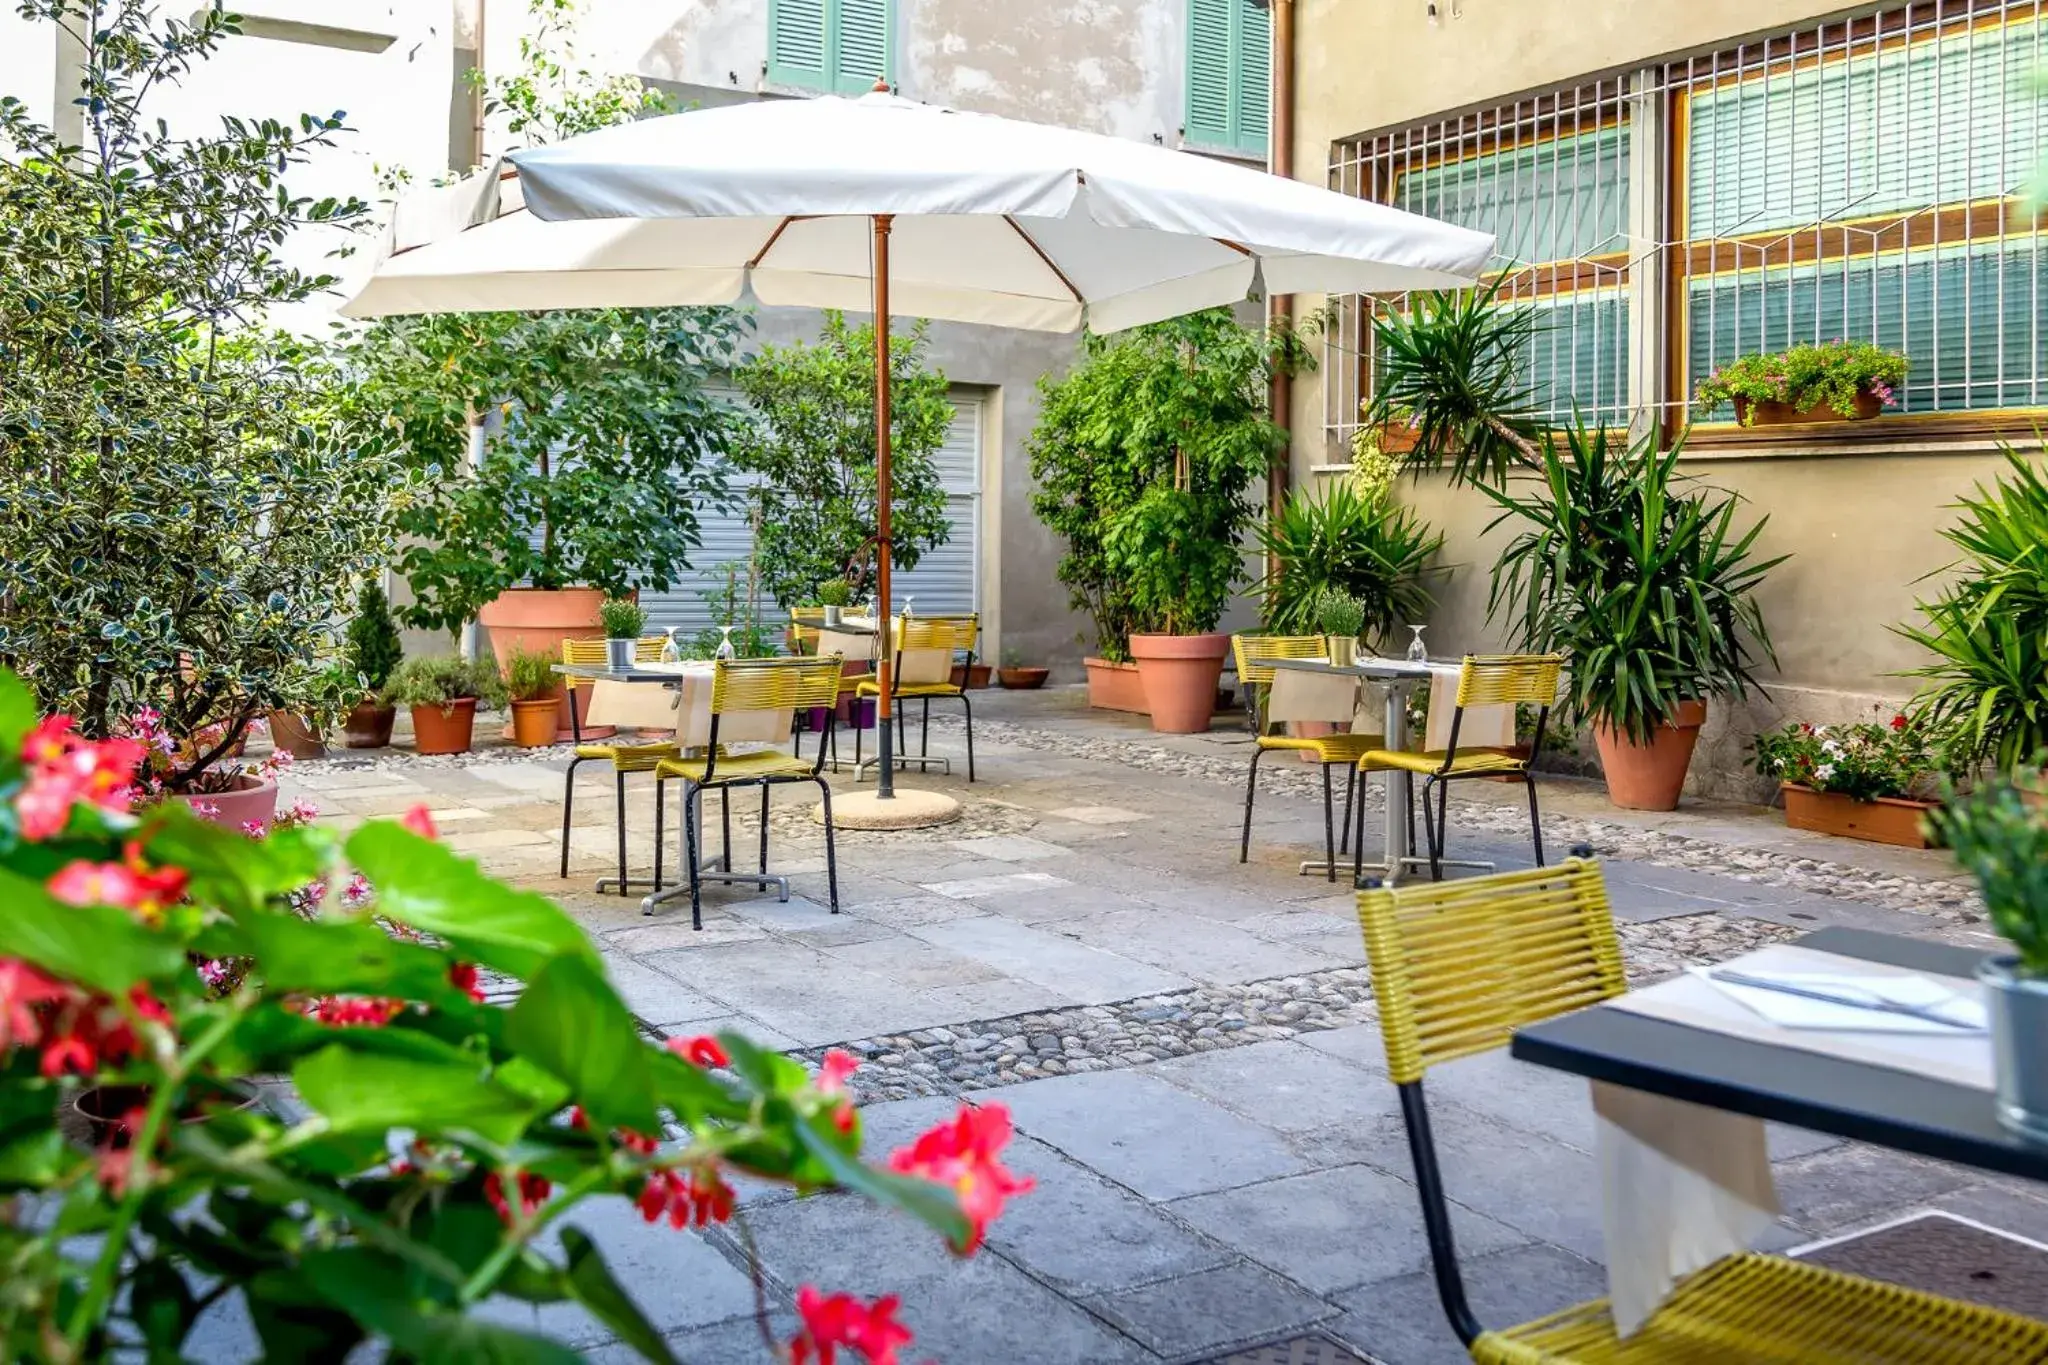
column 1418, row 652
column 725, row 649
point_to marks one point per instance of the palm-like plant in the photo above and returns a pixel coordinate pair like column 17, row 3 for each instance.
column 1646, row 589
column 1340, row 541
column 1452, row 368
column 1988, row 630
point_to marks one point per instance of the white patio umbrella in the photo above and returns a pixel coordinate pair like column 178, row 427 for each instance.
column 888, row 204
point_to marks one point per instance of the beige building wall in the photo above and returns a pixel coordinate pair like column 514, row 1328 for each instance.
column 1861, row 527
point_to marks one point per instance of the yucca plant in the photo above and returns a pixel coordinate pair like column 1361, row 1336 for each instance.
column 1988, row 629
column 1338, row 541
column 1644, row 585
column 1453, row 368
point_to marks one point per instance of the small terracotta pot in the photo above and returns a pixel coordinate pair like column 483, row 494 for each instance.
column 1770, row 414
column 296, row 735
column 1887, row 820
column 1114, row 687
column 533, row 723
column 1650, row 776
column 369, row 725
column 970, row 676
column 1179, row 674
column 250, row 801
column 444, row 729
column 1022, row 679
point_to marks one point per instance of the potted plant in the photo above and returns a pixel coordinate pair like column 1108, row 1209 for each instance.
column 443, row 693
column 970, row 675
column 1647, row 587
column 623, row 620
column 835, row 595
column 1858, row 781
column 2000, row 835
column 1015, row 676
column 221, row 789
column 1351, row 541
column 1834, row 381
column 372, row 650
column 529, row 680
column 1342, row 618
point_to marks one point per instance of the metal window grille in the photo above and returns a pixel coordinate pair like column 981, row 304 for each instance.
column 1862, row 178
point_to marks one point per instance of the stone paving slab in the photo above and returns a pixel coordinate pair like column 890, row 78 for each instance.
column 1211, row 1309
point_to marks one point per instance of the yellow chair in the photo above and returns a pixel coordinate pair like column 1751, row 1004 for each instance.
column 624, row 758
column 781, row 684
column 803, row 628
column 1255, row 654
column 1484, row 680
column 1457, row 967
column 951, row 633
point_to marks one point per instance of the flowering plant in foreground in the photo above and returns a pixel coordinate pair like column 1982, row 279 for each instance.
column 1808, row 375
column 448, row 1140
column 1893, row 755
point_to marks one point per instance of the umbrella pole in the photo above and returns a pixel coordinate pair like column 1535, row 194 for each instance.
column 885, row 652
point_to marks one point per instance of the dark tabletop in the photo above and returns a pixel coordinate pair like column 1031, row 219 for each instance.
column 1897, row 1109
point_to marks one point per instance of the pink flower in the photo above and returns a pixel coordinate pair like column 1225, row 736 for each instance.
column 834, row 1320
column 420, row 821
column 701, row 1051
column 963, row 1154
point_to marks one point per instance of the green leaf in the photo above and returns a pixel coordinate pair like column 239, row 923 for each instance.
column 424, row 885
column 94, row 945
column 164, row 1307
column 355, row 1090
column 33, row 1159
column 374, row 1289
column 330, row 957
column 571, row 1021
column 17, row 712
column 242, row 876
column 590, row 1281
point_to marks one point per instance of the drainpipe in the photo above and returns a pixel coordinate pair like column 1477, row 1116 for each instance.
column 476, row 98
column 1280, row 161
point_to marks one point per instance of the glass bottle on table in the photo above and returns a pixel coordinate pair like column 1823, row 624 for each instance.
column 1418, row 652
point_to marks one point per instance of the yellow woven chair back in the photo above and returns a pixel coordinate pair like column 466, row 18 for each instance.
column 1508, row 679
column 647, row 649
column 803, row 626
column 775, row 684
column 585, row 653
column 937, row 632
column 1458, row 966
column 1255, row 653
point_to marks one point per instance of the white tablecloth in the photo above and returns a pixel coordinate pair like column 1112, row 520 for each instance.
column 1302, row 695
column 918, row 665
column 684, row 708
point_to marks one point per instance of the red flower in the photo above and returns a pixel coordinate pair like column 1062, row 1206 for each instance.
column 833, row 1070
column 1899, row 722
column 462, row 975
column 355, row 1011
column 420, row 821
column 690, row 1198
column 963, row 1154
column 24, row 995
column 131, row 884
column 702, row 1050
column 533, row 1192
column 64, row 769
column 835, row 1320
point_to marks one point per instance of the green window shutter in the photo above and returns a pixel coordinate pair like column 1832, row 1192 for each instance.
column 860, row 45
column 1251, row 85
column 1209, row 72
column 797, row 43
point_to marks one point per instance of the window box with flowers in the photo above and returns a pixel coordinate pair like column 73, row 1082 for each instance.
column 1865, row 781
column 1836, row 381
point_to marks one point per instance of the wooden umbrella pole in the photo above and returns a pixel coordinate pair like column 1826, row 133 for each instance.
column 885, row 649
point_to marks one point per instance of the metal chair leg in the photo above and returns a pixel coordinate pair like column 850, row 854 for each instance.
column 1251, row 789
column 660, row 812
column 692, row 799
column 1329, row 827
column 967, row 708
column 831, row 848
column 924, row 731
column 1350, row 796
column 619, row 786
column 1443, row 829
column 1358, row 832
column 725, row 826
column 764, row 820
column 1535, row 820
column 568, row 804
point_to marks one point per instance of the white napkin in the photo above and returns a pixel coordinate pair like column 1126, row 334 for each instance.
column 1802, row 1012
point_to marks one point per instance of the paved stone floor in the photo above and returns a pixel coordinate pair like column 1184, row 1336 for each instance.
column 1187, row 1043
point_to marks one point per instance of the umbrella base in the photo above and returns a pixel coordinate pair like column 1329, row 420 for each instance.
column 908, row 809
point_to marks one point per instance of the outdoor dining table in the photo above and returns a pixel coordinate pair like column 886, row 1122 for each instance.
column 1690, row 1040
column 686, row 709
column 1400, row 677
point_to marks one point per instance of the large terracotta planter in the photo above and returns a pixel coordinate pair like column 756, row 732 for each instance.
column 250, row 801
column 533, row 723
column 1887, row 820
column 444, row 729
column 1650, row 776
column 296, row 735
column 369, row 725
column 1114, row 687
column 1179, row 674
column 1770, row 414
column 539, row 619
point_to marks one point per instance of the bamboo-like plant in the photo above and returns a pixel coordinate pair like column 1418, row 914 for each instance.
column 1338, row 540
column 1645, row 586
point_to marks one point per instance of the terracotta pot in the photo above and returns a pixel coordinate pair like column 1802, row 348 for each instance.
column 1179, row 674
column 1311, row 729
column 539, row 619
column 1022, row 679
column 1396, row 438
column 1887, row 820
column 368, row 725
column 296, row 735
column 970, row 675
column 1115, row 687
column 533, row 723
column 104, row 1106
column 1769, row 414
column 250, row 801
column 444, row 729
column 1650, row 776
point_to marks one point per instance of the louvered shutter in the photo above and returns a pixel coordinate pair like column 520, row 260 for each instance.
column 944, row 580
column 860, row 53
column 1209, row 72
column 798, row 46
column 1253, row 78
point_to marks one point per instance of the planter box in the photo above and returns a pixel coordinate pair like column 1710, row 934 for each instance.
column 970, row 676
column 1115, row 687
column 1887, row 820
column 1768, row 414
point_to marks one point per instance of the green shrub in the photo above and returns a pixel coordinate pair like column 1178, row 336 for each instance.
column 1335, row 540
column 371, row 648
column 438, row 680
column 1833, row 373
column 622, row 618
column 835, row 592
column 1340, row 614
column 529, row 676
column 1453, row 369
column 1999, row 833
